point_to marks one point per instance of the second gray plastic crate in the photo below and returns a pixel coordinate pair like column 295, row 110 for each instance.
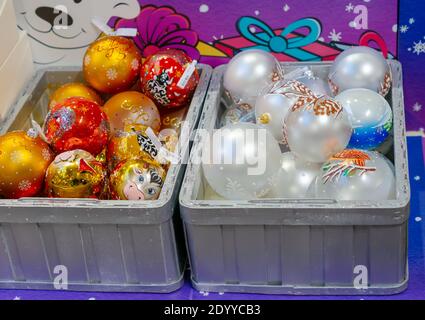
column 105, row 245
column 284, row 246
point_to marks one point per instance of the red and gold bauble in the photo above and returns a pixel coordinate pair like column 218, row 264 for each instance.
column 75, row 174
column 112, row 64
column 24, row 159
column 136, row 180
column 161, row 78
column 72, row 90
column 132, row 108
column 77, row 123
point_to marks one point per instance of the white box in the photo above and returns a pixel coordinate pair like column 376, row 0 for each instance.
column 9, row 34
column 15, row 72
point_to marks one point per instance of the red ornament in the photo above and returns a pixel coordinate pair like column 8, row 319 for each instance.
column 169, row 78
column 77, row 123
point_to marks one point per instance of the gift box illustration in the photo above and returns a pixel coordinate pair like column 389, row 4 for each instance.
column 285, row 44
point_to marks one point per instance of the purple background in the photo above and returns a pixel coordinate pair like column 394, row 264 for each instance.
column 222, row 15
column 382, row 16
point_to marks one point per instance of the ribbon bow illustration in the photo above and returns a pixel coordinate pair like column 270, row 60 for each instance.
column 269, row 41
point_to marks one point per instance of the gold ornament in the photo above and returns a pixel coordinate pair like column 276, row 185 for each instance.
column 132, row 108
column 131, row 144
column 137, row 180
column 73, row 90
column 75, row 174
column 112, row 64
column 173, row 119
column 24, row 159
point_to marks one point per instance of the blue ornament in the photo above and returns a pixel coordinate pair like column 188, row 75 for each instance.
column 371, row 117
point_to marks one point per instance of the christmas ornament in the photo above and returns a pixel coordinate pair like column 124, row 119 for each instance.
column 75, row 174
column 271, row 108
column 317, row 85
column 24, row 159
column 295, row 177
column 131, row 107
column 241, row 161
column 72, row 90
column 132, row 143
column 236, row 115
column 169, row 78
column 77, row 123
column 316, row 127
column 248, row 73
column 371, row 117
column 169, row 139
column 360, row 67
column 356, row 175
column 173, row 118
column 112, row 64
column 137, row 180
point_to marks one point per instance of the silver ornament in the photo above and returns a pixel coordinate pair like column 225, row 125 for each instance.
column 356, row 175
column 248, row 73
column 360, row 67
column 316, row 84
column 371, row 116
column 295, row 177
column 271, row 108
column 316, row 127
column 241, row 162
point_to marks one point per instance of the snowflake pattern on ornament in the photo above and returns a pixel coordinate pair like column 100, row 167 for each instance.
column 233, row 186
column 15, row 156
column 111, row 74
column 24, row 185
column 87, row 60
column 135, row 65
column 46, row 154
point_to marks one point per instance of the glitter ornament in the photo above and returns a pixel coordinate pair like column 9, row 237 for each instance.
column 75, row 174
column 112, row 64
column 132, row 108
column 371, row 116
column 77, row 123
column 169, row 78
column 132, row 143
column 356, row 175
column 248, row 73
column 136, row 180
column 315, row 127
column 360, row 67
column 24, row 159
column 73, row 90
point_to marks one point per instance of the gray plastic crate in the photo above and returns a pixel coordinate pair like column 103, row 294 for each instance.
column 106, row 245
column 308, row 246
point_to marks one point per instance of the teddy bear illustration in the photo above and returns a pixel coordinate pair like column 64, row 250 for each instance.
column 61, row 30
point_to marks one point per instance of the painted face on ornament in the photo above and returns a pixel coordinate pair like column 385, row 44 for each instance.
column 143, row 185
column 55, row 25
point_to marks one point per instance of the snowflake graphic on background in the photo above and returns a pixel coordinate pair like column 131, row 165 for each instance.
column 417, row 178
column 111, row 74
column 404, row 28
column 335, row 36
column 418, row 47
column 417, row 107
column 286, row 7
column 412, row 20
column 349, row 7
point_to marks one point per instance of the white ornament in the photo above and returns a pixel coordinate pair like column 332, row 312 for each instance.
column 241, row 162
